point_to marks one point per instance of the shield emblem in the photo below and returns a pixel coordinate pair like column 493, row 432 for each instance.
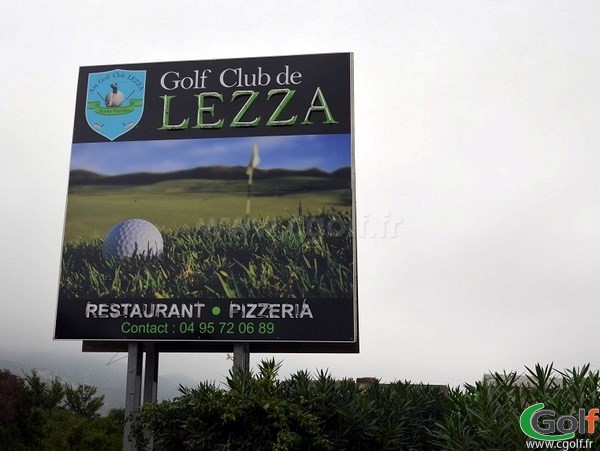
column 115, row 101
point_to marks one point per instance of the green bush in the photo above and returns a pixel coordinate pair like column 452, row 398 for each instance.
column 303, row 412
column 54, row 416
column 259, row 412
column 485, row 416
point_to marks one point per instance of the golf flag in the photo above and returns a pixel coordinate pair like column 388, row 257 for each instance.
column 254, row 162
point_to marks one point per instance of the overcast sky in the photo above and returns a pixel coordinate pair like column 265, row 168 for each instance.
column 477, row 140
column 327, row 152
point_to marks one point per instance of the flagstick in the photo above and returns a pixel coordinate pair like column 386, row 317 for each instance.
column 254, row 162
column 249, row 194
column 241, row 351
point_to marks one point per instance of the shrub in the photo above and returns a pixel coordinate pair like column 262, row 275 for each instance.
column 259, row 412
column 53, row 415
column 485, row 416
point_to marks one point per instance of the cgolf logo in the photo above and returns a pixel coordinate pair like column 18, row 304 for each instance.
column 540, row 424
column 115, row 101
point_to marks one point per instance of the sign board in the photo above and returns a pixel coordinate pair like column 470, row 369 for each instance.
column 212, row 202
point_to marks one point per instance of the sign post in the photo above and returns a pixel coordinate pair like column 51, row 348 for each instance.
column 241, row 357
column 133, row 390
column 151, row 373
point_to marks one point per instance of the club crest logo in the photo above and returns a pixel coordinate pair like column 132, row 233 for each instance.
column 115, row 101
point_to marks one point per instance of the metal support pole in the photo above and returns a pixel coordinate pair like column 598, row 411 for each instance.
column 150, row 381
column 133, row 392
column 241, row 357
column 151, row 374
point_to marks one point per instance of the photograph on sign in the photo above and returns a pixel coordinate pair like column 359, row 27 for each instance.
column 216, row 206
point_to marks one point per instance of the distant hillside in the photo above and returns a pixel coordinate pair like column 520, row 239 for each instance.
column 82, row 177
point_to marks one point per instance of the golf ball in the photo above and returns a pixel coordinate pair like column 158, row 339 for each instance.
column 133, row 238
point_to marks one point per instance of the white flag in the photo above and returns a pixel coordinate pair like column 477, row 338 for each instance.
column 254, row 160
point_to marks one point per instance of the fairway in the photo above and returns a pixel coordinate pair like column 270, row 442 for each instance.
column 91, row 213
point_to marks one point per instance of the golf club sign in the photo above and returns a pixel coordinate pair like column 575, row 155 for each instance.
column 236, row 78
column 212, row 202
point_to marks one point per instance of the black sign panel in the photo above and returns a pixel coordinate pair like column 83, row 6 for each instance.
column 296, row 95
column 234, row 320
column 212, row 202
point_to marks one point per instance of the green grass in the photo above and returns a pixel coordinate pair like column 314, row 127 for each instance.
column 93, row 210
column 292, row 256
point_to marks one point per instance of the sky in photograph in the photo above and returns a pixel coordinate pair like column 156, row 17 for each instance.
column 476, row 154
column 326, row 152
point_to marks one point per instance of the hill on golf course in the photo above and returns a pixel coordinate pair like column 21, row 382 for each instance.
column 339, row 179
